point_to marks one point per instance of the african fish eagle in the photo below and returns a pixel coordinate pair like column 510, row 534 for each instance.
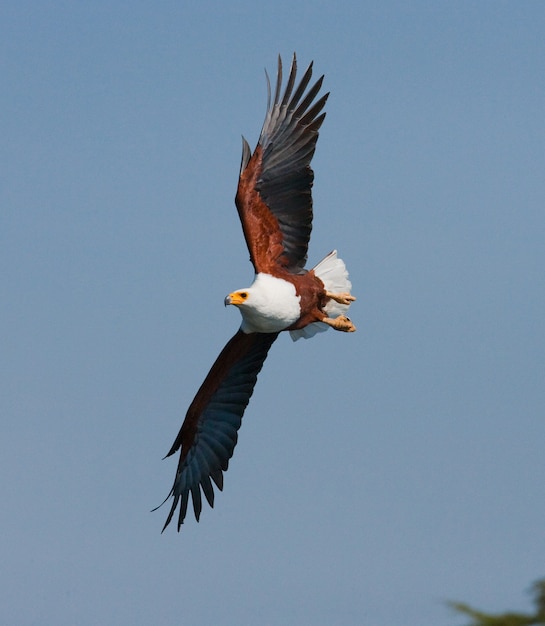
column 274, row 205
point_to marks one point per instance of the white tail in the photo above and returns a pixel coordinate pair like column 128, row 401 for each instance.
column 333, row 273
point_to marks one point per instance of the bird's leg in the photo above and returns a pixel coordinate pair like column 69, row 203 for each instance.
column 342, row 323
column 341, row 298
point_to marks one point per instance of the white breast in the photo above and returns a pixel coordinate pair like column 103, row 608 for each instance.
column 272, row 305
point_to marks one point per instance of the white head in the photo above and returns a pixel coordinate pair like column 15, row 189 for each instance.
column 269, row 305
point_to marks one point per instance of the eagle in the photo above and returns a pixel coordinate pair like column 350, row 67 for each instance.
column 274, row 204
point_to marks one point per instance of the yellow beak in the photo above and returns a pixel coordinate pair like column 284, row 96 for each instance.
column 236, row 298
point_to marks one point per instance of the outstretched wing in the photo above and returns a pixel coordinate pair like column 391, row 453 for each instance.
column 274, row 198
column 209, row 433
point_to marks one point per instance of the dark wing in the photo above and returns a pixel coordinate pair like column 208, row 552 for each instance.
column 209, row 433
column 274, row 198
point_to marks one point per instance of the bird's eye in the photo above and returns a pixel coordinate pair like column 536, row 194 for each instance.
column 244, row 295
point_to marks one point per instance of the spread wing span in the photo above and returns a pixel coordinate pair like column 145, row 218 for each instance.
column 274, row 199
column 210, row 430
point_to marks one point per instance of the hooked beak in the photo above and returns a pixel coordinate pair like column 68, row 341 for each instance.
column 236, row 298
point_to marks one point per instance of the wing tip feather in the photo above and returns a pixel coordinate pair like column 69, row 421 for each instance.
column 246, row 154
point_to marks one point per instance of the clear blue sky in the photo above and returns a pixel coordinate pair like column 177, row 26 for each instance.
column 376, row 474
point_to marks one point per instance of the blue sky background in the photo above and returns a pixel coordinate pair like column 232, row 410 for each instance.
column 377, row 474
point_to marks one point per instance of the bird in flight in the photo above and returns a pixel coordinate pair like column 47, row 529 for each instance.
column 274, row 205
